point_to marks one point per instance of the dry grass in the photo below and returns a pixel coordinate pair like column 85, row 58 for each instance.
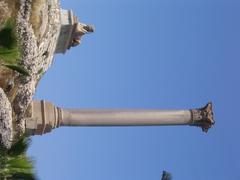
column 8, row 83
column 36, row 16
column 4, row 13
column 13, row 6
column 5, row 75
column 9, row 8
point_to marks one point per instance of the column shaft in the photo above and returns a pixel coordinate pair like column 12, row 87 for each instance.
column 125, row 117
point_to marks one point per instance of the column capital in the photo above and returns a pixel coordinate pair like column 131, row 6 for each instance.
column 203, row 117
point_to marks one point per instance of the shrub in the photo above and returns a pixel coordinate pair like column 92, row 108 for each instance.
column 10, row 51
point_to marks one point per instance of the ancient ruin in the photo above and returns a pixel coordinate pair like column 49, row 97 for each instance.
column 71, row 31
column 41, row 32
column 43, row 116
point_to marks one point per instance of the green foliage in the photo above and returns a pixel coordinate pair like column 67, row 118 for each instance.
column 7, row 36
column 20, row 147
column 17, row 68
column 10, row 56
column 10, row 51
column 166, row 176
column 40, row 72
column 23, row 176
column 14, row 163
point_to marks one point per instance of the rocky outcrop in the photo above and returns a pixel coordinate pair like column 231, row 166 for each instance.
column 37, row 56
column 6, row 129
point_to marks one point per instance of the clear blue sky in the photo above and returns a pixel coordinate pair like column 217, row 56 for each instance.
column 166, row 54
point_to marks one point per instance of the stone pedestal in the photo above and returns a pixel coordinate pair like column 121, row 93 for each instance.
column 44, row 117
column 71, row 31
column 68, row 24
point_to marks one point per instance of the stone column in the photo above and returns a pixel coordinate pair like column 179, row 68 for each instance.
column 45, row 117
column 125, row 117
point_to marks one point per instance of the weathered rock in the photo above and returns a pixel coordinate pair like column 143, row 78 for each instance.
column 37, row 56
column 6, row 129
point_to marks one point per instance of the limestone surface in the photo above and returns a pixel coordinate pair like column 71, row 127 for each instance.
column 37, row 55
column 6, row 129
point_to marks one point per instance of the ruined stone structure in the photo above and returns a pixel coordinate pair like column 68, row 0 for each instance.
column 71, row 31
column 44, row 116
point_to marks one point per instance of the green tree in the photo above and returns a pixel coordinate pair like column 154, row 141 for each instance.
column 14, row 163
column 166, row 175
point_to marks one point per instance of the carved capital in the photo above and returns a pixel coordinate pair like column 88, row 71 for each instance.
column 203, row 117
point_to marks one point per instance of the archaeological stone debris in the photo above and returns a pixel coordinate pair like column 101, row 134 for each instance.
column 57, row 32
